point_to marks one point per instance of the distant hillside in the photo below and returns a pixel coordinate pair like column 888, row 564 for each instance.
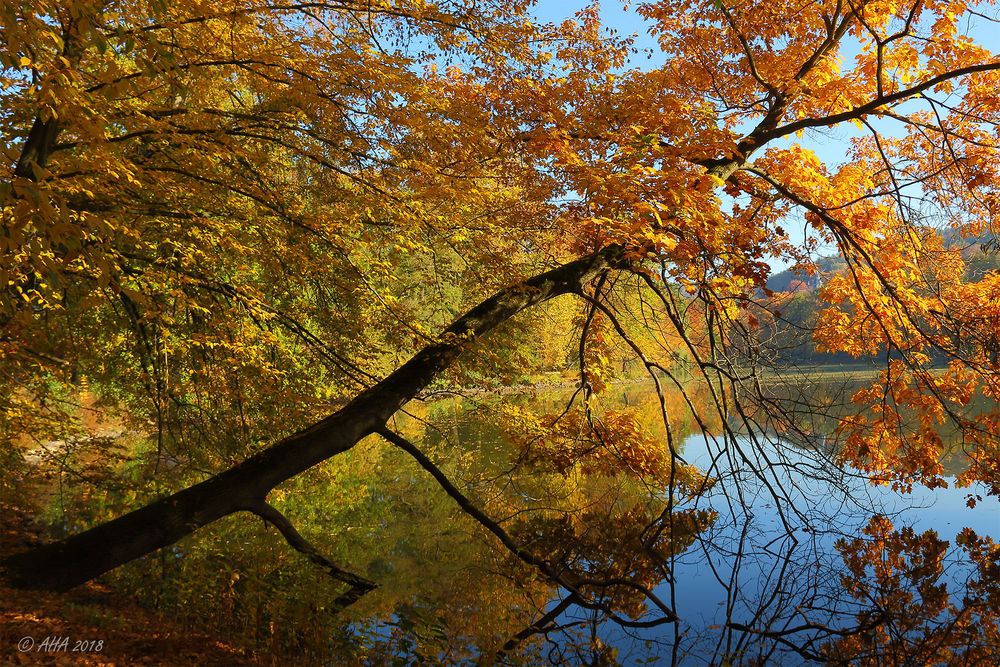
column 794, row 281
column 795, row 302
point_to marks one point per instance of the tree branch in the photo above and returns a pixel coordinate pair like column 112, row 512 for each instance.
column 79, row 558
column 567, row 579
column 358, row 585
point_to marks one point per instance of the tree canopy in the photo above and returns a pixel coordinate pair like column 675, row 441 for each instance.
column 240, row 237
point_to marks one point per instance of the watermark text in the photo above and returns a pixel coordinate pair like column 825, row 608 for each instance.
column 59, row 644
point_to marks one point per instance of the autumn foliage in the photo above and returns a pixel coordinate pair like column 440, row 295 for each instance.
column 228, row 225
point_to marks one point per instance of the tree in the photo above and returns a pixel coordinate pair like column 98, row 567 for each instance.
column 224, row 200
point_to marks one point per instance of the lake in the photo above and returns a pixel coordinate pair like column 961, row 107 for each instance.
column 751, row 546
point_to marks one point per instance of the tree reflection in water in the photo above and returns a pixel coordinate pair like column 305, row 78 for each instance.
column 591, row 541
column 779, row 552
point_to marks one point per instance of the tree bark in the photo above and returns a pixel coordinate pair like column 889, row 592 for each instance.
column 77, row 559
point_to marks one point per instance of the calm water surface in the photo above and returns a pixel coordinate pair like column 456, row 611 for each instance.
column 769, row 562
column 748, row 571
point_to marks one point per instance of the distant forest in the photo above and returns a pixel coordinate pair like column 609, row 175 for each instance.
column 792, row 302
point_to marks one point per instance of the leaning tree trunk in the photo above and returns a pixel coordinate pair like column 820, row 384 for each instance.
column 72, row 561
